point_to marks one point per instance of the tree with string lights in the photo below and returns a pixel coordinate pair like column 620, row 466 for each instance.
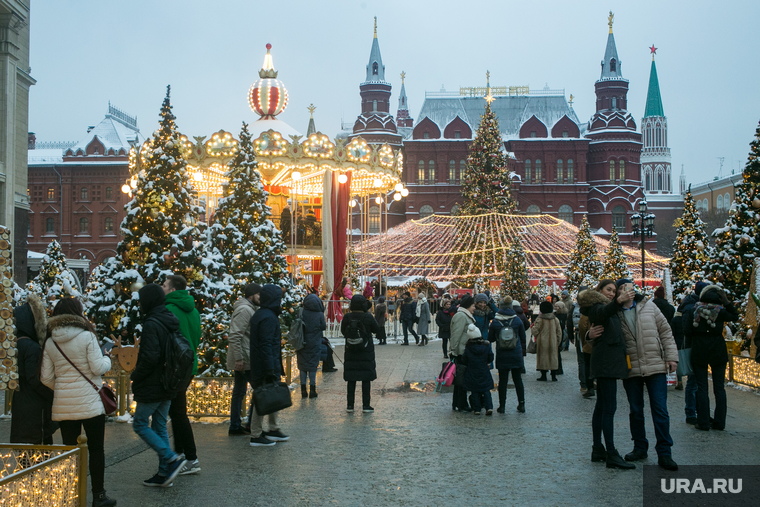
column 515, row 282
column 54, row 280
column 584, row 268
column 112, row 302
column 736, row 244
column 615, row 265
column 689, row 258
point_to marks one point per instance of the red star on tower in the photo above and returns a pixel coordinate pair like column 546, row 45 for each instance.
column 653, row 50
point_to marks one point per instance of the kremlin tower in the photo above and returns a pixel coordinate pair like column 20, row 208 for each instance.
column 655, row 157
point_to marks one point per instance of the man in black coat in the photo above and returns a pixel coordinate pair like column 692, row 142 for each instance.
column 677, row 325
column 153, row 401
column 359, row 360
column 407, row 316
column 266, row 360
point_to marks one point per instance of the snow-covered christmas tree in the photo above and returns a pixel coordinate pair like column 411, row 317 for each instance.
column 584, row 268
column 689, row 248
column 736, row 244
column 615, row 265
column 542, row 289
column 54, row 280
column 112, row 302
column 515, row 282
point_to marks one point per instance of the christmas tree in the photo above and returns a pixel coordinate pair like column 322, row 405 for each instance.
column 584, row 268
column 542, row 289
column 736, row 244
column 515, row 282
column 54, row 280
column 112, row 302
column 615, row 265
column 689, row 248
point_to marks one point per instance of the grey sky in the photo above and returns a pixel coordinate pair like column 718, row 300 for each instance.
column 85, row 53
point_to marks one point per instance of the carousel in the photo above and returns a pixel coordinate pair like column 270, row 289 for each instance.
column 312, row 181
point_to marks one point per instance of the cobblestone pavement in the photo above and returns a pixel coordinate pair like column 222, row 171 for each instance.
column 415, row 451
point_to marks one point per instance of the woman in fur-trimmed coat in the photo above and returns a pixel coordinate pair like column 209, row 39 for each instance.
column 548, row 335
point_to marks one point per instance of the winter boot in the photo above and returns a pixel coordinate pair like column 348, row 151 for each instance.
column 502, row 403
column 614, row 460
column 554, row 377
column 521, row 407
column 542, row 378
column 313, row 391
column 101, row 500
column 304, row 394
column 598, row 453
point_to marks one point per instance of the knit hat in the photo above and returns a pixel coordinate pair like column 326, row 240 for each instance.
column 506, row 302
column 467, row 301
column 699, row 286
column 481, row 297
column 516, row 304
column 546, row 307
column 565, row 293
column 252, row 289
column 622, row 281
column 659, row 293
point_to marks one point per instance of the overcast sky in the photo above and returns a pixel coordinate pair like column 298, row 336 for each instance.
column 87, row 52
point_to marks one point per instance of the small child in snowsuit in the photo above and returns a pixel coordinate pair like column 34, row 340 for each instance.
column 477, row 376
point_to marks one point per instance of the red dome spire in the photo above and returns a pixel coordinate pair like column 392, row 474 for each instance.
column 268, row 96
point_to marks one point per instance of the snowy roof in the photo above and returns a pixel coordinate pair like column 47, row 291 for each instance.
column 610, row 52
column 375, row 76
column 113, row 132
column 44, row 157
column 512, row 111
column 263, row 124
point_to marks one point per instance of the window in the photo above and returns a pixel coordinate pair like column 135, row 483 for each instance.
column 719, row 203
column 452, row 171
column 426, row 211
column 532, row 133
column 621, row 170
column 374, row 68
column 426, row 135
column 454, row 209
column 560, row 170
column 374, row 219
column 705, row 204
column 618, row 218
column 527, row 171
column 83, row 194
column 462, row 165
column 108, row 224
column 421, row 172
column 431, row 172
column 570, row 168
column 83, row 225
column 613, row 65
column 612, row 171
column 698, row 205
column 565, row 134
column 538, row 171
column 648, row 178
column 374, row 105
column 457, row 134
column 49, row 226
column 533, row 210
column 727, row 201
column 566, row 213
column 659, row 179
column 51, row 194
column 614, row 102
column 109, row 193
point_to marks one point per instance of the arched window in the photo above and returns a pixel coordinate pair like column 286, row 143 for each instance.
column 452, row 171
column 612, row 171
column 533, row 210
column 698, row 205
column 374, row 68
column 659, row 134
column 570, row 171
column 462, row 166
column 618, row 218
column 647, row 179
column 613, row 65
column 83, row 225
column 560, row 171
column 421, row 172
column 454, row 209
column 426, row 211
column 705, row 204
column 614, row 102
column 659, row 180
column 621, row 170
column 83, row 194
column 538, row 170
column 374, row 105
column 49, row 226
column 431, row 172
column 727, row 201
column 566, row 213
column 374, row 219
column 108, row 224
column 719, row 203
column 109, row 193
column 527, row 171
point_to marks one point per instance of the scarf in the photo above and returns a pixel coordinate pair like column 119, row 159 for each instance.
column 419, row 306
column 707, row 311
column 479, row 313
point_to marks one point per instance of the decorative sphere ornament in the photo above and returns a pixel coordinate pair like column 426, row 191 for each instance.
column 700, row 245
column 268, row 96
column 756, row 202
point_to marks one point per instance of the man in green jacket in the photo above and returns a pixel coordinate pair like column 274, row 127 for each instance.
column 181, row 303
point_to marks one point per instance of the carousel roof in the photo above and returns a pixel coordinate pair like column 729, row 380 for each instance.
column 426, row 247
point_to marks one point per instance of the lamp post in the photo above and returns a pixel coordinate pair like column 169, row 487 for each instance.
column 643, row 225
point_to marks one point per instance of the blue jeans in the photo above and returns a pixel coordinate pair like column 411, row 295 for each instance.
column 603, row 420
column 407, row 327
column 690, row 393
column 657, row 387
column 239, row 389
column 719, row 391
column 312, row 377
column 154, row 434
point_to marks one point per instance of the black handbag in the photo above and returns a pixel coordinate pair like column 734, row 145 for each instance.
column 459, row 375
column 271, row 397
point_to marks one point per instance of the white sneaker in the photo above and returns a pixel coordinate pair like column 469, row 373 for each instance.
column 191, row 467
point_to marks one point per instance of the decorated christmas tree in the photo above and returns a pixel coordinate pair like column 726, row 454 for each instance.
column 542, row 289
column 515, row 282
column 615, row 265
column 737, row 243
column 584, row 268
column 54, row 280
column 689, row 248
column 112, row 301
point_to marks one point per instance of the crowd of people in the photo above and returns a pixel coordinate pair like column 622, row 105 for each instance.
column 619, row 334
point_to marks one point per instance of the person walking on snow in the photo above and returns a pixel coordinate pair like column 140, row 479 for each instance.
column 239, row 355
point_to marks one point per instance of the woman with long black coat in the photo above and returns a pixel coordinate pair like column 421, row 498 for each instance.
column 509, row 360
column 608, row 364
column 359, row 361
column 443, row 320
column 33, row 402
column 308, row 357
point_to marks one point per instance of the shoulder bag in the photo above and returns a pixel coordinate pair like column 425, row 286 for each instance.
column 106, row 394
column 271, row 397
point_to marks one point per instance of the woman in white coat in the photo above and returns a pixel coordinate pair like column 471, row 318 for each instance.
column 72, row 345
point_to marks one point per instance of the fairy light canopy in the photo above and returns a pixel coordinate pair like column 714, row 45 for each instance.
column 428, row 246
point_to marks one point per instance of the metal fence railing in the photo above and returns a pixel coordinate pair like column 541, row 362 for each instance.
column 44, row 474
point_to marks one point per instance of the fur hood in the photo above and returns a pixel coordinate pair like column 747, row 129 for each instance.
column 31, row 319
column 717, row 298
column 60, row 321
column 590, row 297
column 40, row 314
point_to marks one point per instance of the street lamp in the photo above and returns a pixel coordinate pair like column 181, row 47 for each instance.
column 643, row 225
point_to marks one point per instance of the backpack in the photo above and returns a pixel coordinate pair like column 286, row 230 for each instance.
column 178, row 361
column 295, row 333
column 507, row 338
column 355, row 332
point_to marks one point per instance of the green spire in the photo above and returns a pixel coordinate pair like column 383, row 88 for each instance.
column 654, row 101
